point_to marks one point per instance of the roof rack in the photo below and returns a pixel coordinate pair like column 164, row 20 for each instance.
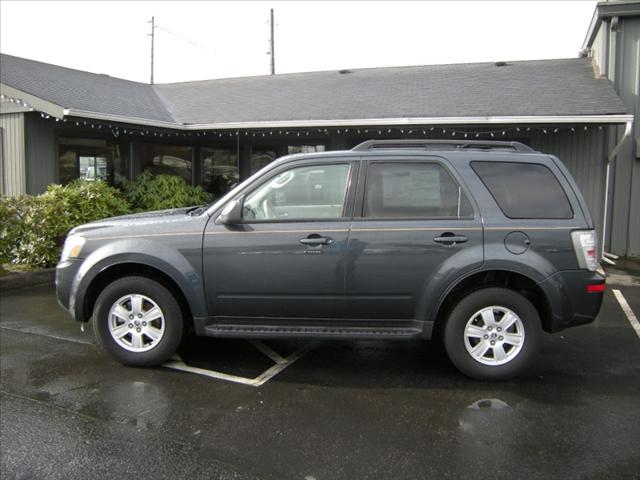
column 442, row 145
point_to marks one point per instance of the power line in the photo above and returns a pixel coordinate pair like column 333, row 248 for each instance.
column 187, row 40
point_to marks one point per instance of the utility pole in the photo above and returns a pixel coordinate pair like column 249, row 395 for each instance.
column 153, row 37
column 273, row 53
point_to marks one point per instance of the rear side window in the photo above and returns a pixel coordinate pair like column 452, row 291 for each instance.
column 413, row 190
column 524, row 190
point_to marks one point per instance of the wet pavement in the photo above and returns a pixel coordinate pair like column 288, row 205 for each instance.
column 343, row 410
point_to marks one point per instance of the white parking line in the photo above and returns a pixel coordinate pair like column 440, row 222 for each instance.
column 268, row 351
column 41, row 334
column 627, row 311
column 176, row 363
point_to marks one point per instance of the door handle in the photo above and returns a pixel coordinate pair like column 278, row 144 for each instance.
column 315, row 239
column 449, row 238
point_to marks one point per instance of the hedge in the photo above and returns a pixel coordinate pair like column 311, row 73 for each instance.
column 33, row 228
column 148, row 192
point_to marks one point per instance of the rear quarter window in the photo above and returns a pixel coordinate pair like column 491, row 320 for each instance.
column 524, row 190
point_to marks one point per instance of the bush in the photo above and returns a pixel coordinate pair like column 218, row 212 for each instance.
column 34, row 227
column 13, row 210
column 148, row 192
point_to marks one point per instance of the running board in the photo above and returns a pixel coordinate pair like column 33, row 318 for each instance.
column 307, row 331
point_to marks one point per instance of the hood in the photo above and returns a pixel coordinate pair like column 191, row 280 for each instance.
column 148, row 220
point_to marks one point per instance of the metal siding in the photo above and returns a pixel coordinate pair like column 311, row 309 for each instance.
column 619, row 56
column 1, row 161
column 627, row 226
column 40, row 154
column 584, row 154
column 599, row 48
column 12, row 125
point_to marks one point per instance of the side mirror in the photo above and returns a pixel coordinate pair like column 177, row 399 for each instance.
column 232, row 213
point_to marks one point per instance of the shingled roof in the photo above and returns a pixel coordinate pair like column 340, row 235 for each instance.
column 545, row 88
column 79, row 90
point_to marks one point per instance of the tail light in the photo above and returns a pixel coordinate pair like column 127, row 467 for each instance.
column 596, row 288
column 585, row 244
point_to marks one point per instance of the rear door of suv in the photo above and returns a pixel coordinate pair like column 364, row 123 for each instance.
column 415, row 227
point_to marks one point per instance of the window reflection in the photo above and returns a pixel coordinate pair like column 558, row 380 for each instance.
column 261, row 158
column 161, row 159
column 291, row 149
column 92, row 159
column 219, row 170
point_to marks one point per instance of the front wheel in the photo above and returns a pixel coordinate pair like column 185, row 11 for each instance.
column 492, row 334
column 138, row 321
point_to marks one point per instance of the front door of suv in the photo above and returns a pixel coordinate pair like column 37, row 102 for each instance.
column 287, row 257
column 414, row 229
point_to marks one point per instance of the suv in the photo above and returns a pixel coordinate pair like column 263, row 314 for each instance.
column 485, row 244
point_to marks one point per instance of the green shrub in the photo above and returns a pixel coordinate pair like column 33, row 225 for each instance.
column 149, row 192
column 33, row 228
column 37, row 225
column 12, row 225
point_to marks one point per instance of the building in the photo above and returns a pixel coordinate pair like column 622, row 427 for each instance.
column 59, row 124
column 613, row 45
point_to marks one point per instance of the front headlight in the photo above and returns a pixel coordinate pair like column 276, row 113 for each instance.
column 72, row 246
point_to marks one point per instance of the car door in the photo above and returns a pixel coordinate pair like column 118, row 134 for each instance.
column 287, row 257
column 414, row 230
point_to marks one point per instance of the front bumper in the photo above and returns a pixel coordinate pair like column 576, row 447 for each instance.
column 66, row 273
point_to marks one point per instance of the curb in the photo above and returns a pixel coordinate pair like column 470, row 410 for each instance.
column 13, row 281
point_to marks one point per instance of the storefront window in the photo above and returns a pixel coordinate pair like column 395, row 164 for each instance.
column 93, row 168
column 92, row 159
column 261, row 158
column 167, row 160
column 291, row 149
column 219, row 170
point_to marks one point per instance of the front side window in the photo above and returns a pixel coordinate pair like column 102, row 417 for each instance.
column 524, row 190
column 413, row 190
column 311, row 193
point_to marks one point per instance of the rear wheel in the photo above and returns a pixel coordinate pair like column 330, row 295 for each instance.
column 492, row 334
column 138, row 321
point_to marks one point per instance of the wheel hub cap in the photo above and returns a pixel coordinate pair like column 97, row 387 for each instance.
column 494, row 335
column 139, row 335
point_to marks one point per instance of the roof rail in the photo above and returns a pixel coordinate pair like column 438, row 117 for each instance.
column 442, row 145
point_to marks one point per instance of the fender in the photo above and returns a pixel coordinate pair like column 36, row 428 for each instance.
column 532, row 265
column 146, row 252
column 447, row 272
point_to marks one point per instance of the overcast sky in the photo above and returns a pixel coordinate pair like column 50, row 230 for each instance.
column 199, row 40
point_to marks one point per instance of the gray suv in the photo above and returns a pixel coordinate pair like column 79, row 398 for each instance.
column 483, row 244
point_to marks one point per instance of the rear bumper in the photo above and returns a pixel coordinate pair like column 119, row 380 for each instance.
column 575, row 298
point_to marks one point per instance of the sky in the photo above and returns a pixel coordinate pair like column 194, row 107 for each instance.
column 202, row 40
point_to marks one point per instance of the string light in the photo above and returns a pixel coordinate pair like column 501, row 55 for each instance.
column 305, row 132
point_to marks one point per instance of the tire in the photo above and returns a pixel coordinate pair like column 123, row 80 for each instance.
column 138, row 321
column 480, row 318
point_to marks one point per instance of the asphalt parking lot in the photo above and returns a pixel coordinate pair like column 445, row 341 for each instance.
column 300, row 410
